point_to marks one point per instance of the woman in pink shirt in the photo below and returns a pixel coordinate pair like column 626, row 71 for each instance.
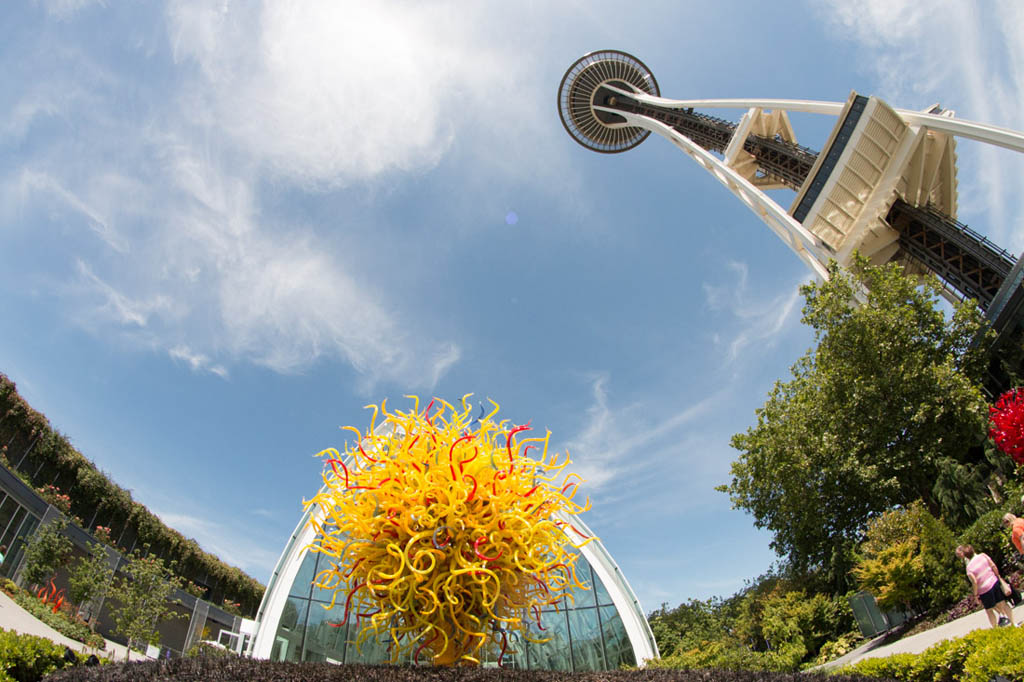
column 987, row 584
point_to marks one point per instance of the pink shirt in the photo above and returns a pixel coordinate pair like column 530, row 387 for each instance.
column 980, row 567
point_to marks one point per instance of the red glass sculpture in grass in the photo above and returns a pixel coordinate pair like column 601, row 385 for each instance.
column 445, row 533
column 1006, row 424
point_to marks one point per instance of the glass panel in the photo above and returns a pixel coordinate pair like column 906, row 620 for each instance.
column 288, row 640
column 600, row 592
column 587, row 653
column 301, row 586
column 617, row 648
column 6, row 512
column 324, row 563
column 323, row 640
column 9, row 536
column 583, row 598
column 513, row 658
column 554, row 653
column 16, row 548
column 371, row 650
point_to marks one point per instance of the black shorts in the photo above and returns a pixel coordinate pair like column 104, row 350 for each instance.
column 993, row 596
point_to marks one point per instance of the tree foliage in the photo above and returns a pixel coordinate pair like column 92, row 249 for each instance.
column 90, row 578
column 46, row 551
column 908, row 559
column 144, row 599
column 885, row 410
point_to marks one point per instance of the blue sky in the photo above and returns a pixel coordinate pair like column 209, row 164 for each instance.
column 227, row 227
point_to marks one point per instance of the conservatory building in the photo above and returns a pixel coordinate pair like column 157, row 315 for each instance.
column 603, row 628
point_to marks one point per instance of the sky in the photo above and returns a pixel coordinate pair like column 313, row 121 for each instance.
column 226, row 227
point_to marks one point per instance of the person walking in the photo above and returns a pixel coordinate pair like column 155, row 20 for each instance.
column 988, row 585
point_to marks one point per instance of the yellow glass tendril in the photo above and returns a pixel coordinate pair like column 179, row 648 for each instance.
column 445, row 533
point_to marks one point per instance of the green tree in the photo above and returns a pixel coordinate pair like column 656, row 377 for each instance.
column 90, row 579
column 878, row 414
column 908, row 558
column 691, row 624
column 47, row 550
column 144, row 592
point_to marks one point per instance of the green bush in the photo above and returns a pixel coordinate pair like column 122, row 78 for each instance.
column 909, row 558
column 209, row 649
column 840, row 646
column 977, row 657
column 999, row 652
column 59, row 621
column 26, row 658
column 988, row 535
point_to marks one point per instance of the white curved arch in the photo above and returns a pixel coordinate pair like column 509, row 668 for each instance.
column 605, row 569
column 982, row 132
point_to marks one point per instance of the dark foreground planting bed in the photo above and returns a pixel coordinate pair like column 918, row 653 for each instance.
column 247, row 670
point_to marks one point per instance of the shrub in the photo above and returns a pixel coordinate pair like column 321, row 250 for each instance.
column 208, row 649
column 988, row 535
column 999, row 652
column 248, row 670
column 60, row 621
column 979, row 656
column 840, row 646
column 908, row 558
column 26, row 658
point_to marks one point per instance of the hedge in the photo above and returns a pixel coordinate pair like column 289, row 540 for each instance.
column 980, row 656
column 27, row 658
column 43, row 457
column 249, row 670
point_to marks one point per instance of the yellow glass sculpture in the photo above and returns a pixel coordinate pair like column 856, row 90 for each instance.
column 445, row 532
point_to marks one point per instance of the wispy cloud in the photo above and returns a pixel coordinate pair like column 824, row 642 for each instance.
column 119, row 307
column 30, row 182
column 197, row 361
column 615, row 438
column 226, row 542
column 759, row 320
column 65, row 9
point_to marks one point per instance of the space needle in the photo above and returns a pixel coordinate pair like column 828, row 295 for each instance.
column 884, row 184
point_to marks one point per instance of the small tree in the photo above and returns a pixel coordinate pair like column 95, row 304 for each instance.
column 47, row 551
column 894, row 575
column 144, row 592
column 90, row 579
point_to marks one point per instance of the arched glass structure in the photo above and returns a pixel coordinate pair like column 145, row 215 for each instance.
column 603, row 629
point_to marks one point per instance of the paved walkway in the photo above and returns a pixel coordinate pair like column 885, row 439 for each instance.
column 13, row 617
column 915, row 644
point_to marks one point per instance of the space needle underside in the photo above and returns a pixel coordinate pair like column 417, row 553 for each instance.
column 884, row 185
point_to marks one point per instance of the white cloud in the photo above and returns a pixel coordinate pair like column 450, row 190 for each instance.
column 225, row 542
column 118, row 307
column 967, row 57
column 330, row 93
column 65, row 9
column 612, row 440
column 760, row 321
column 30, row 182
column 270, row 294
column 197, row 361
